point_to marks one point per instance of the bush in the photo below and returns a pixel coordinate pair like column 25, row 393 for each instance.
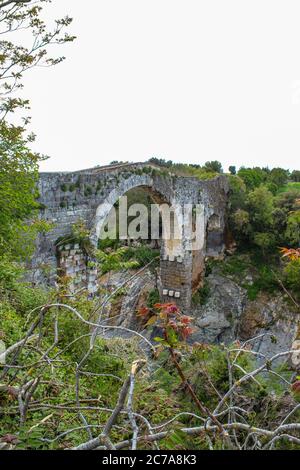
column 153, row 298
column 143, row 254
column 202, row 294
column 292, row 274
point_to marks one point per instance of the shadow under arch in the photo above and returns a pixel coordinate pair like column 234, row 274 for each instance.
column 170, row 213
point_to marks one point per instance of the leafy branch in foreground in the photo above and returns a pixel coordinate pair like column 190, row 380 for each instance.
column 24, row 44
column 61, row 387
column 15, row 58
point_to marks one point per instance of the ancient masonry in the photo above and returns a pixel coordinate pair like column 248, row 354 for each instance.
column 88, row 196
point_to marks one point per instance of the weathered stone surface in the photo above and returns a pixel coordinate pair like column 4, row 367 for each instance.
column 229, row 315
column 90, row 194
column 272, row 318
column 218, row 320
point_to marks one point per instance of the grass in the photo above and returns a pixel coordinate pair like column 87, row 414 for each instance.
column 292, row 186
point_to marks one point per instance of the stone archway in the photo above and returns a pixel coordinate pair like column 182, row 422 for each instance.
column 69, row 197
column 175, row 261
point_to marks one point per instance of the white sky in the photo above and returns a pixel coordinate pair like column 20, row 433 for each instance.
column 186, row 80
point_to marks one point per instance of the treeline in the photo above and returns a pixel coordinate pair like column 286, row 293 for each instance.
column 264, row 208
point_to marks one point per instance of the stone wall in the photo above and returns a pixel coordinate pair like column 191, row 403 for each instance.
column 89, row 195
column 73, row 263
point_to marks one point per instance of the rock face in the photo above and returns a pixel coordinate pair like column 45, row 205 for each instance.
column 228, row 315
column 218, row 320
column 274, row 319
column 123, row 309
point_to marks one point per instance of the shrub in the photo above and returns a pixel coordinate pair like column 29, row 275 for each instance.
column 153, row 298
column 64, row 187
column 292, row 274
column 202, row 294
column 143, row 254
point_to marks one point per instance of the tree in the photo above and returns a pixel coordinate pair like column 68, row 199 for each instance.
column 292, row 275
column 293, row 229
column 295, row 176
column 237, row 193
column 279, row 216
column 214, row 166
column 264, row 240
column 15, row 58
column 161, row 162
column 18, row 164
column 288, row 200
column 232, row 170
column 260, row 203
column 279, row 176
column 240, row 223
column 253, row 177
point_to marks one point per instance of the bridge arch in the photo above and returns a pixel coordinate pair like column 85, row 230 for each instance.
column 90, row 194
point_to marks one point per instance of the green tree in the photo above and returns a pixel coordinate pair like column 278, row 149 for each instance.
column 288, row 200
column 232, row 170
column 18, row 191
column 265, row 240
column 252, row 177
column 240, row 223
column 214, row 166
column 280, row 216
column 295, row 176
column 237, row 193
column 279, row 176
column 18, row 164
column 15, row 58
column 292, row 275
column 293, row 228
column 261, row 206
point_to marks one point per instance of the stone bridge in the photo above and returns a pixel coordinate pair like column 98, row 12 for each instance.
column 88, row 195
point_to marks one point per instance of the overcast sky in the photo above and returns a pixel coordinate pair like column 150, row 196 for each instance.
column 186, row 80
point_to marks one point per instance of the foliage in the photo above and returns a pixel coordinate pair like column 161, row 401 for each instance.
column 252, row 177
column 173, row 325
column 207, row 171
column 153, row 298
column 292, row 274
column 295, row 176
column 293, row 228
column 143, row 254
column 52, row 420
column 260, row 213
column 214, row 166
column 18, row 193
column 201, row 295
column 18, row 164
column 16, row 57
column 114, row 260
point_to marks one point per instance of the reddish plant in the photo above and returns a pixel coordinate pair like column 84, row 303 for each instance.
column 175, row 327
column 290, row 253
